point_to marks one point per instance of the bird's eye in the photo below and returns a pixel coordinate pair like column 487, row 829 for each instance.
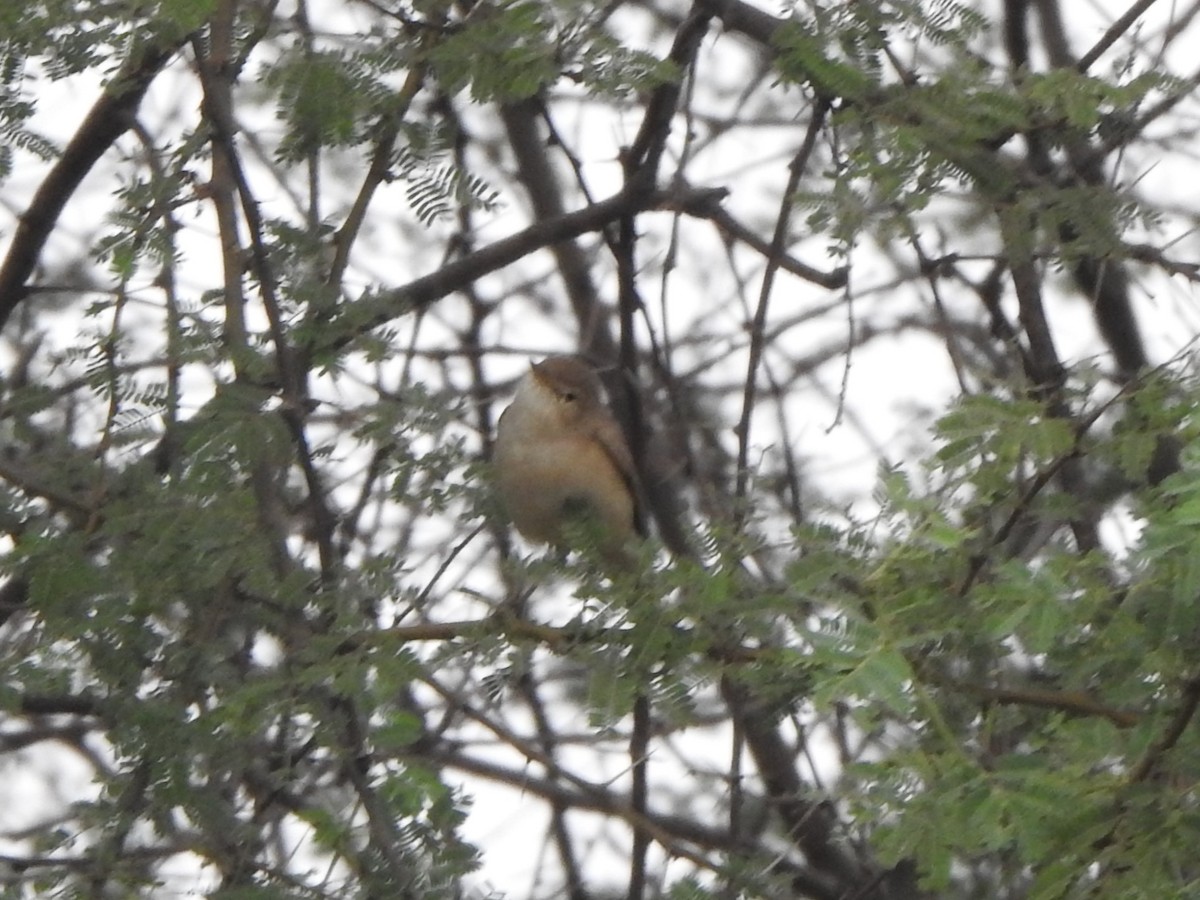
column 569, row 396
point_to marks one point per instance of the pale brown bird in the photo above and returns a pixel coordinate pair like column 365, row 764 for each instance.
column 560, row 457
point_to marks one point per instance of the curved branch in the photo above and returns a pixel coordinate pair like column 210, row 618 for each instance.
column 110, row 117
column 421, row 292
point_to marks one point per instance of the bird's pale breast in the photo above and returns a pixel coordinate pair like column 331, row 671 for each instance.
column 543, row 483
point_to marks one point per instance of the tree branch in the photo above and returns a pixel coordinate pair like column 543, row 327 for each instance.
column 110, row 117
column 373, row 311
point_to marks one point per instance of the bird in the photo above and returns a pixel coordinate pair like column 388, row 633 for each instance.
column 560, row 457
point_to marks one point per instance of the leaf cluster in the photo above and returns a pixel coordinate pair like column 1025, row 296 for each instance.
column 1021, row 691
column 514, row 50
column 906, row 144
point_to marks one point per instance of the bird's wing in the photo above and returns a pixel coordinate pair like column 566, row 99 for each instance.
column 607, row 433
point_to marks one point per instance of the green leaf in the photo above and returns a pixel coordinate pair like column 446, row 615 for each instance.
column 803, row 57
column 400, row 731
column 503, row 53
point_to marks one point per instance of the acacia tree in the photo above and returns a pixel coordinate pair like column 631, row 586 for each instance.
column 265, row 631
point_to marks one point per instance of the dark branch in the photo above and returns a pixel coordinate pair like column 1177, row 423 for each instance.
column 110, row 117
